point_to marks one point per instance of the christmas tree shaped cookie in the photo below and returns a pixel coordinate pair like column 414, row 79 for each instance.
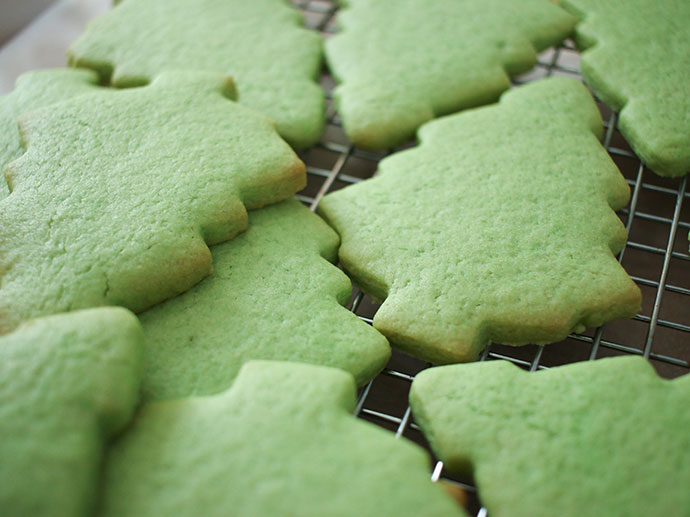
column 69, row 383
column 35, row 90
column 498, row 227
column 273, row 295
column 402, row 63
column 639, row 64
column 281, row 441
column 607, row 437
column 260, row 43
column 119, row 193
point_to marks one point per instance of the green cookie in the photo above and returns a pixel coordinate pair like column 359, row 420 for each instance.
column 639, row 64
column 498, row 227
column 35, row 90
column 69, row 383
column 261, row 43
column 607, row 437
column 281, row 441
column 120, row 191
column 404, row 62
column 272, row 295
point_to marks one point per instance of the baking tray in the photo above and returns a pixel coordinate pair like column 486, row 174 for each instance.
column 656, row 254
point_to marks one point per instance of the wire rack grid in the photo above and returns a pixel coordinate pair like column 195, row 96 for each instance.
column 656, row 257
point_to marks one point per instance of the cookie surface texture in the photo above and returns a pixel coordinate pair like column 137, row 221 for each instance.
column 35, row 90
column 607, row 437
column 639, row 64
column 120, row 192
column 403, row 62
column 261, row 44
column 69, row 383
column 498, row 227
column 281, row 441
column 273, row 295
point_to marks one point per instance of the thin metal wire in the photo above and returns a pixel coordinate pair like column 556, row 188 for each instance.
column 403, row 423
column 664, row 271
column 436, row 473
column 330, row 179
column 362, row 398
column 344, row 171
column 628, row 226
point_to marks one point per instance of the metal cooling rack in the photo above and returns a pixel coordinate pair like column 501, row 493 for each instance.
column 655, row 256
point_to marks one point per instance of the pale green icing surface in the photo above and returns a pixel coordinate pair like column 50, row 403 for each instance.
column 499, row 227
column 401, row 63
column 607, row 437
column 260, row 43
column 69, row 384
column 273, row 294
column 120, row 192
column 35, row 90
column 639, row 64
column 281, row 441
